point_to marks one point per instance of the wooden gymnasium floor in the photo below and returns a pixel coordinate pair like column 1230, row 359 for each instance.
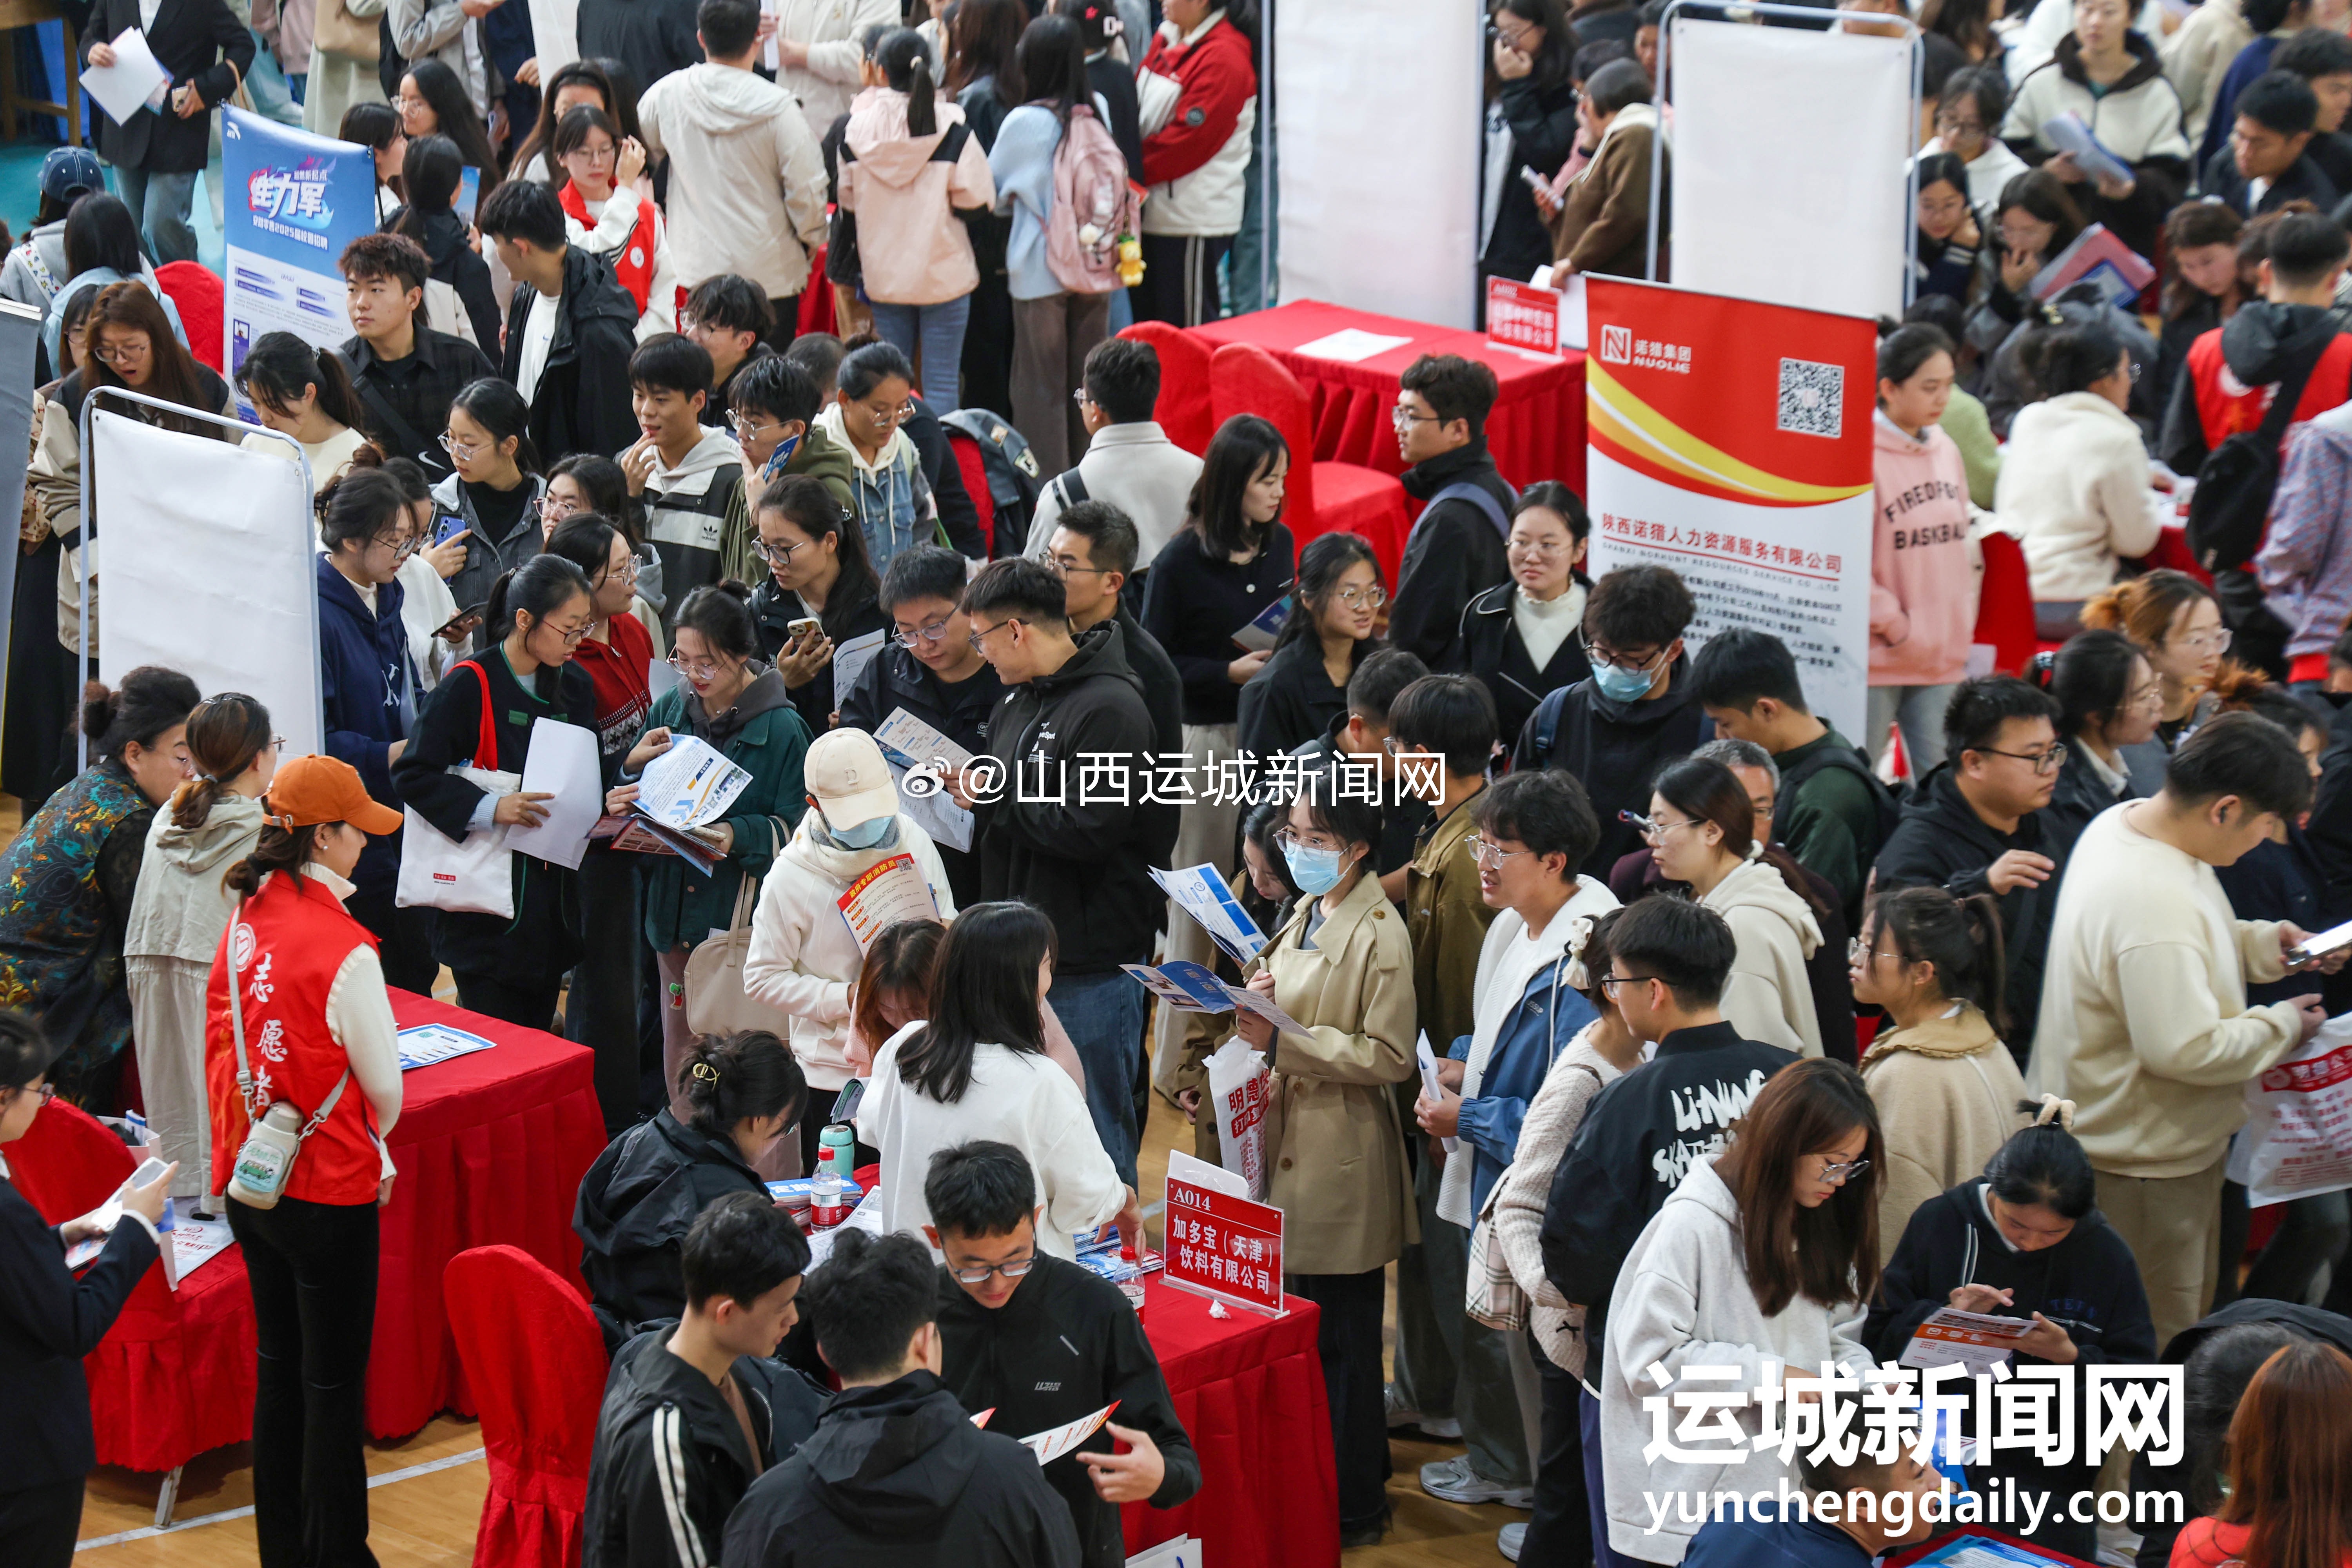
column 426, row 1491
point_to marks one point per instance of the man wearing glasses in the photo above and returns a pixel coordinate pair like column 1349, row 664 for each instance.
column 1975, row 826
column 1455, row 550
column 1044, row 1342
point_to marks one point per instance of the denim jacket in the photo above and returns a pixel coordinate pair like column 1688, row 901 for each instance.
column 894, row 506
column 1550, row 1013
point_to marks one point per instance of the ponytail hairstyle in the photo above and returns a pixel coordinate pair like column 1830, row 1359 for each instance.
column 901, row 962
column 1328, row 558
column 1961, row 937
column 2067, row 357
column 2042, row 1165
column 721, row 614
column 726, row 1079
column 430, row 172
column 360, row 507
column 279, row 368
column 2091, row 678
column 538, row 588
column 1828, row 1254
column 150, row 701
column 906, row 62
column 1099, row 25
column 498, row 407
column 279, row 849
column 226, row 734
column 984, row 990
column 1708, row 791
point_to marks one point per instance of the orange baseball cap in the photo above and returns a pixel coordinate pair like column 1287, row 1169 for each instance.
column 308, row 791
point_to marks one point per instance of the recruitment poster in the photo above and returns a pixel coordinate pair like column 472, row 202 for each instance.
column 1731, row 441
column 293, row 201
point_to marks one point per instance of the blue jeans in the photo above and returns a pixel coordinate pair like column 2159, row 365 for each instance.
column 160, row 202
column 1104, row 1016
column 937, row 331
column 1588, row 1420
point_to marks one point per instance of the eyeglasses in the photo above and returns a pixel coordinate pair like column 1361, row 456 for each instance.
column 403, row 548
column 1517, row 41
column 1602, row 653
column 1856, row 952
column 462, row 451
column 930, row 632
column 1610, row 982
column 777, row 554
column 1953, row 123
column 1291, row 837
column 1485, row 852
column 1401, row 416
column 699, row 669
column 1063, row 565
column 1833, row 1171
column 570, row 635
column 549, row 508
column 2048, row 761
column 2150, row 695
column 746, row 427
column 1650, row 827
column 1541, row 549
column 2216, row 641
column 44, row 1092
column 1079, row 395
column 982, row 633
column 116, row 354
column 978, row 1273
column 626, row 571
column 1371, row 598
column 604, row 154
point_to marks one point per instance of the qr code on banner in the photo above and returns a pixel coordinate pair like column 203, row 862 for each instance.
column 1812, row 397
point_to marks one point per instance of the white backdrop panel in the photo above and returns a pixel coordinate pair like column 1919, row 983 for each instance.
column 204, row 559
column 1377, row 117
column 1789, row 152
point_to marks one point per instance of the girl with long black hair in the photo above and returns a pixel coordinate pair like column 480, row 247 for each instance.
column 430, row 173
column 305, row 393
column 1304, row 685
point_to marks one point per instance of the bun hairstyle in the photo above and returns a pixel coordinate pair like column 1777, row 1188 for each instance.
column 2143, row 609
column 150, row 701
column 226, row 736
column 729, row 1079
column 906, row 62
column 1961, row 937
column 721, row 614
column 2042, row 1164
column 539, row 587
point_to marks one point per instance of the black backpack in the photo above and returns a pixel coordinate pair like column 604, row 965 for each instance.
column 2231, row 504
column 1851, row 759
column 1012, row 470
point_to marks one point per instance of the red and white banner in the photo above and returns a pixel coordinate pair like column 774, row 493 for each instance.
column 1224, row 1246
column 1731, row 441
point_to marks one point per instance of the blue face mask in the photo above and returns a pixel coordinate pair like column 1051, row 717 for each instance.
column 1315, row 870
column 861, row 834
column 1622, row 685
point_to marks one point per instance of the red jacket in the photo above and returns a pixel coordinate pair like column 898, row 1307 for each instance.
column 1194, row 161
column 290, row 939
column 2226, row 405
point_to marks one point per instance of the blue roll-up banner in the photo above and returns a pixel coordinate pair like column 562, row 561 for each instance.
column 294, row 201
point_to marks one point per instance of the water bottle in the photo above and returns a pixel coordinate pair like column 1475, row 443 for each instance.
column 837, row 1151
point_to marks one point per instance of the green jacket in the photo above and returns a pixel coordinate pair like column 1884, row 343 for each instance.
column 1830, row 822
column 1966, row 423
column 683, row 907
column 817, row 456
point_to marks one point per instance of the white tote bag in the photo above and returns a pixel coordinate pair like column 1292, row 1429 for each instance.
column 472, row 876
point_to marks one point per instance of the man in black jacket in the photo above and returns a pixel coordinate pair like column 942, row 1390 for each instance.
column 1071, row 818
column 928, row 671
column 570, row 328
column 1973, row 826
column 404, row 372
column 1455, row 550
column 1634, row 714
column 1669, row 960
column 693, row 1415
column 157, row 154
column 1093, row 549
column 1044, row 1342
column 896, row 1476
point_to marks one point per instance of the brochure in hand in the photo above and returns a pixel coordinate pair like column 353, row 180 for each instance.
column 1200, row 893
column 1262, row 632
column 1190, row 987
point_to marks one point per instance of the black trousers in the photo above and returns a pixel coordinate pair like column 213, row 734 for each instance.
column 404, row 941
column 312, row 1267
column 39, row 1524
column 602, row 1011
column 1180, row 278
column 1559, row 1535
column 988, row 330
column 1348, row 1341
column 787, row 323
column 530, row 1002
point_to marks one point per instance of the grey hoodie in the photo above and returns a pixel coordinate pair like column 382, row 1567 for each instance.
column 1769, row 996
column 181, row 908
column 747, row 192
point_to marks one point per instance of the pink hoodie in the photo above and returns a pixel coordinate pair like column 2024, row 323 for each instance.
column 1922, row 588
column 911, row 249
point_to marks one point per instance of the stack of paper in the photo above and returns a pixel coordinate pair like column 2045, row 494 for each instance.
column 687, row 786
column 915, row 751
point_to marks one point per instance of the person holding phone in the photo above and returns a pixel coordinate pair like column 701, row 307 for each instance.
column 493, row 498
column 49, row 1319
column 821, row 591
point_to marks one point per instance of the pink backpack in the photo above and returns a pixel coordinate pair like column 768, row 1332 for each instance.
column 1093, row 206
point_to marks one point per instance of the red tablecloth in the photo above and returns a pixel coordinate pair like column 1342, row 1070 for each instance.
column 1250, row 1392
column 491, row 1148
column 1535, row 431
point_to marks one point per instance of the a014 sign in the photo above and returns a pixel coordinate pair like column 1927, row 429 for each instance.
column 1223, row 1247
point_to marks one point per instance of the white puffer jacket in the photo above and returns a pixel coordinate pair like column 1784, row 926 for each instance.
column 804, row 956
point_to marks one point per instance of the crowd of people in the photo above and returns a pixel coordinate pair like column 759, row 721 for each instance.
column 1744, row 1058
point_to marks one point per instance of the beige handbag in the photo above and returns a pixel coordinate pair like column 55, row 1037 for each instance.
column 716, row 1002
column 335, row 29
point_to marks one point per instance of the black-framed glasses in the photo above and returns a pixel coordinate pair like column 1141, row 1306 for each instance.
column 930, row 632
column 978, row 1273
column 2048, row 761
column 777, row 554
column 1063, row 566
column 1610, row 982
column 1600, row 653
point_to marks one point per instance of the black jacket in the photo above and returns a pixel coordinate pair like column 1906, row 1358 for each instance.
column 2275, row 881
column 1614, row 749
column 582, row 402
column 543, row 939
column 1082, row 857
column 2176, row 337
column 2302, row 182
column 1941, row 842
column 721, row 398
column 670, row 1462
column 897, row 1476
column 895, row 679
column 1640, row 1137
column 634, row 1205
column 1115, row 83
column 1291, row 702
column 2081, row 796
column 1488, row 645
column 654, row 36
column 1542, row 118
column 1163, row 688
column 1454, row 553
column 774, row 609
column 416, row 391
column 48, row 1321
column 449, row 247
column 198, row 41
column 1066, row 1345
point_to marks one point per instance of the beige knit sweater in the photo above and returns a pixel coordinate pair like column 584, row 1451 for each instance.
column 1577, row 1074
column 1946, row 1092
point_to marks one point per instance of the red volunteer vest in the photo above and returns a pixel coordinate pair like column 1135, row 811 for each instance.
column 2226, row 405
column 288, row 942
column 632, row 264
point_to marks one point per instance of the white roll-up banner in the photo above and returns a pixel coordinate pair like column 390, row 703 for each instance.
column 206, row 555
column 1377, row 115
column 1790, row 164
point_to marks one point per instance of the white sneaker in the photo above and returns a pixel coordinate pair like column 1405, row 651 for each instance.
column 1445, row 1428
column 1453, row 1481
column 1509, row 1540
